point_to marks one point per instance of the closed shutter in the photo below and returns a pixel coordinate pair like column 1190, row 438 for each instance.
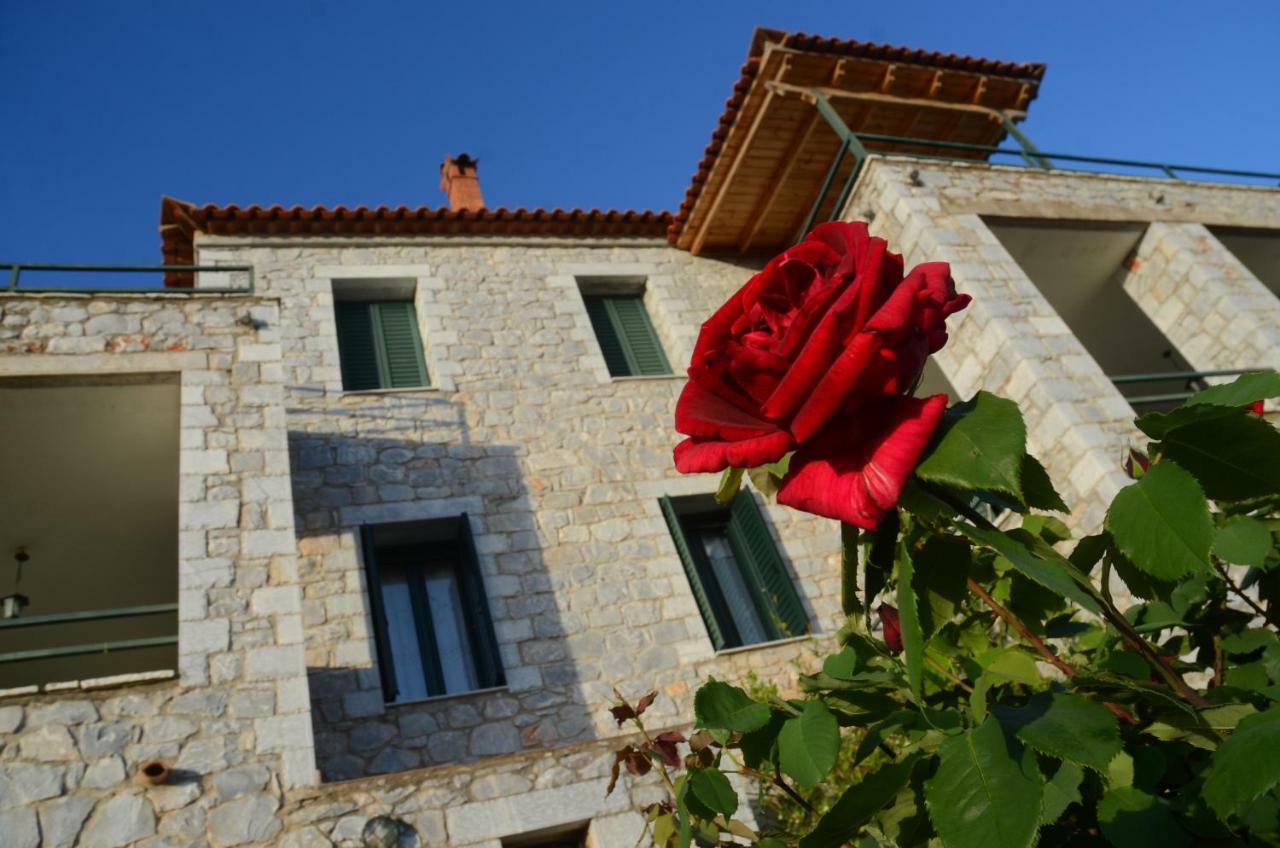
column 610, row 343
column 386, row 668
column 700, row 594
column 639, row 339
column 357, row 350
column 484, row 644
column 401, row 357
column 750, row 535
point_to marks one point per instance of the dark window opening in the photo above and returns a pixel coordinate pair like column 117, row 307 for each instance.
column 431, row 615
column 738, row 578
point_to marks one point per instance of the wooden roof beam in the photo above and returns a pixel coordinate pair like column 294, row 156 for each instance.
column 779, row 180
column 871, row 96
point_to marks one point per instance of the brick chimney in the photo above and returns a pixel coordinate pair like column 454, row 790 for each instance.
column 459, row 182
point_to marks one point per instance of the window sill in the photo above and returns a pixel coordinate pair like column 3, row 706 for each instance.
column 450, row 696
column 776, row 643
column 115, row 681
column 356, row 393
column 646, row 378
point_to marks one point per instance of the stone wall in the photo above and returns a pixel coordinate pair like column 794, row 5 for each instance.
column 235, row 723
column 1010, row 340
column 558, row 466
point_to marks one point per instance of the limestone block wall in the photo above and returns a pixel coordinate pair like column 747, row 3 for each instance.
column 558, row 466
column 1205, row 301
column 235, row 723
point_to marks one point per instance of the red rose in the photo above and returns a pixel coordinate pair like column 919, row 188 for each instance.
column 892, row 628
column 821, row 347
column 1256, row 408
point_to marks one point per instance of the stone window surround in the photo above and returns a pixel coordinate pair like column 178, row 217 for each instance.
column 434, row 319
column 354, row 517
column 650, row 491
column 644, row 277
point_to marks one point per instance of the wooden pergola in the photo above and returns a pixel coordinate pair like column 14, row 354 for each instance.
column 771, row 157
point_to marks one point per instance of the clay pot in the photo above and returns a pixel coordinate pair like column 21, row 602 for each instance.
column 153, row 773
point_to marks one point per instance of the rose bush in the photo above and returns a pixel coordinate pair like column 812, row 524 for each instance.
column 985, row 688
column 818, row 354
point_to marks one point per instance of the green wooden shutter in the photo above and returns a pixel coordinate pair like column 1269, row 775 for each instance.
column 700, row 594
column 484, row 644
column 615, row 356
column 640, row 342
column 386, row 667
column 357, row 349
column 400, row 346
column 762, row 563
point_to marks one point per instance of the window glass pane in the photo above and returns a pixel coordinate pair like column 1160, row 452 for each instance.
column 402, row 635
column 445, row 601
column 737, row 597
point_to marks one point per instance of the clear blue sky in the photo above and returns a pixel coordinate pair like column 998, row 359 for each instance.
column 109, row 105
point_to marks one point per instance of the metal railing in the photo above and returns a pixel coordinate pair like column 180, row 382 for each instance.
column 86, row 648
column 1195, row 381
column 15, row 271
column 1031, row 156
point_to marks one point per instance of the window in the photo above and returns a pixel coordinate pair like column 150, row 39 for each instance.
column 378, row 344
column 738, row 579
column 430, row 614
column 627, row 340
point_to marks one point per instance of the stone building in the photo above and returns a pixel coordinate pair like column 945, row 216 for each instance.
column 373, row 509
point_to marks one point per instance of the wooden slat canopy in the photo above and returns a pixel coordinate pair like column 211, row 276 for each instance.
column 767, row 161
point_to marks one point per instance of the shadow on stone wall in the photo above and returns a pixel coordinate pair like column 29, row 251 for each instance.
column 427, row 470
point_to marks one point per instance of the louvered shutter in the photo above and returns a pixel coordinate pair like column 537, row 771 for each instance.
column 691, row 571
column 357, row 349
column 640, row 342
column 610, row 344
column 373, row 584
column 762, row 564
column 402, row 362
column 484, row 644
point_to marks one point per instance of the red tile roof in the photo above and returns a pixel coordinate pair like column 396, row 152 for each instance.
column 180, row 221
column 835, row 46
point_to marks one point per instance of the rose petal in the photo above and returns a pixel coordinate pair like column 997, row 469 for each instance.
column 855, row 469
column 701, row 412
column 698, row 455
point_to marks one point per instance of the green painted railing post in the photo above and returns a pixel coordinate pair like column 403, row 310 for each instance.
column 1030, row 153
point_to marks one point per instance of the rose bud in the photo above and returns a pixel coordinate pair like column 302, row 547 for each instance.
column 1136, row 464
column 892, row 628
column 1256, row 408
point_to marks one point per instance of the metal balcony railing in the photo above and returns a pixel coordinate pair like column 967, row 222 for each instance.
column 1195, row 381
column 86, row 648
column 15, row 271
column 1028, row 153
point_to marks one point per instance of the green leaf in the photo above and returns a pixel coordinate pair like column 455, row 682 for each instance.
column 1235, row 457
column 983, row 795
column 1010, row 664
column 1037, row 488
column 982, row 448
column 1061, row 792
column 909, row 618
column 1159, row 424
column 1120, row 770
column 1130, row 818
column 1066, row 726
column 713, row 791
column 1242, row 391
column 859, row 803
column 941, row 568
column 1243, row 541
column 808, row 744
column 1161, row 523
column 766, row 478
column 730, row 483
column 1246, row 765
column 1036, row 560
column 758, row 746
column 720, row 706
